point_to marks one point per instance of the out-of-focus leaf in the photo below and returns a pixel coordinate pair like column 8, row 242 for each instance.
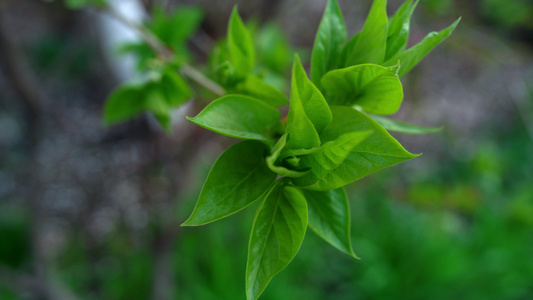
column 273, row 49
column 370, row 44
column 238, row 178
column 329, row 217
column 374, row 88
column 257, row 88
column 238, row 116
column 77, row 4
column 403, row 127
column 277, row 234
column 412, row 56
column 329, row 40
column 124, row 103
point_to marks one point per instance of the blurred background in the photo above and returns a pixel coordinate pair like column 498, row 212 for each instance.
column 89, row 211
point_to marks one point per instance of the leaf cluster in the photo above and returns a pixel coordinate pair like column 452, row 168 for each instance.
column 333, row 135
column 295, row 166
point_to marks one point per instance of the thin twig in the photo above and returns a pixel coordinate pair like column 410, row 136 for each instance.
column 159, row 47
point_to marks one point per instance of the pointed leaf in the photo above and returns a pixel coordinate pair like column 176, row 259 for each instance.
column 325, row 159
column 238, row 178
column 399, row 29
column 329, row 40
column 238, row 116
column 329, row 217
column 371, row 43
column 240, row 45
column 412, row 56
column 308, row 112
column 379, row 150
column 277, row 234
column 403, row 127
column 374, row 88
column 257, row 88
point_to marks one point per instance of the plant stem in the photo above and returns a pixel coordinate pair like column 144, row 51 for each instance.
column 159, row 47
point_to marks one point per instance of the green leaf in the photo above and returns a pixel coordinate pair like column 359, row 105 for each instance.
column 402, row 127
column 238, row 116
column 124, row 103
column 412, row 56
column 379, row 150
column 277, row 234
column 174, row 29
column 271, row 160
column 77, row 4
column 329, row 217
column 325, row 159
column 374, row 88
column 239, row 177
column 273, row 48
column 174, row 87
column 370, row 44
column 399, row 29
column 158, row 104
column 240, row 46
column 308, row 112
column 257, row 88
column 329, row 40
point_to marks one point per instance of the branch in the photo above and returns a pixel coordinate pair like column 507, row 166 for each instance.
column 166, row 53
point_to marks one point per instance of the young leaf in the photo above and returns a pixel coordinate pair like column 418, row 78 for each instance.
column 329, row 40
column 402, row 127
column 374, row 88
column 329, row 217
column 308, row 112
column 326, row 158
column 238, row 178
column 370, row 44
column 379, row 150
column 175, row 88
column 399, row 29
column 157, row 103
column 277, row 234
column 273, row 48
column 240, row 45
column 124, row 103
column 257, row 88
column 238, row 116
column 412, row 56
column 271, row 160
